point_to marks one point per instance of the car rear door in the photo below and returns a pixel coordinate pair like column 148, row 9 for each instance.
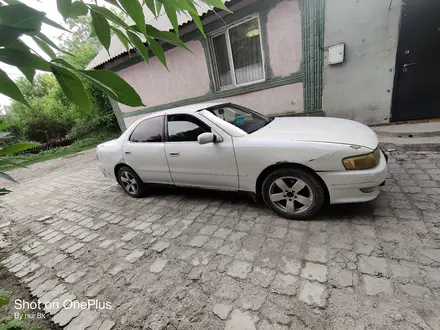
column 144, row 151
column 211, row 165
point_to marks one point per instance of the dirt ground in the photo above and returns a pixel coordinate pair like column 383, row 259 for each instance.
column 10, row 283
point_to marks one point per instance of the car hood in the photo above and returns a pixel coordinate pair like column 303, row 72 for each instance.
column 318, row 129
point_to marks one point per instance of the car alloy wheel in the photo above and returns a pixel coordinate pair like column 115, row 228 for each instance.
column 129, row 183
column 291, row 195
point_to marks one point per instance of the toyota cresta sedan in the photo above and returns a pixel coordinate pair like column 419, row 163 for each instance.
column 293, row 164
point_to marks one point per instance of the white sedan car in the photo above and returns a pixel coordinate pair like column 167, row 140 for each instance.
column 293, row 164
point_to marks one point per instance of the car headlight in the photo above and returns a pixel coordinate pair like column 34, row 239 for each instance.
column 363, row 162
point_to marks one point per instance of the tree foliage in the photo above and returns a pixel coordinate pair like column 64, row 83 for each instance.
column 17, row 20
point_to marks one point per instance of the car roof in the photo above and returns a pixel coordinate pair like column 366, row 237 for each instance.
column 185, row 109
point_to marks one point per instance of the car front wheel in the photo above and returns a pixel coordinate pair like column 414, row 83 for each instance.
column 131, row 182
column 293, row 193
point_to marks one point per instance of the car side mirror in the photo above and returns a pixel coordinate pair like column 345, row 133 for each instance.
column 205, row 138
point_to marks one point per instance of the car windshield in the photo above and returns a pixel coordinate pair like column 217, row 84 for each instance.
column 241, row 117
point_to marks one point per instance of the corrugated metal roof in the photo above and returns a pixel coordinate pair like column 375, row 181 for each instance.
column 161, row 23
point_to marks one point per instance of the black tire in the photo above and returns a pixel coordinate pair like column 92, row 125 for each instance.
column 137, row 186
column 314, row 192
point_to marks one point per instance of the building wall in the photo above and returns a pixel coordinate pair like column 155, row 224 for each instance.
column 284, row 38
column 188, row 75
column 361, row 88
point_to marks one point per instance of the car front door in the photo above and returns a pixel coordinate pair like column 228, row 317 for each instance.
column 211, row 165
column 144, row 151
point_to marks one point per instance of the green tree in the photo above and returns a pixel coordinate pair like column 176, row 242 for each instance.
column 17, row 19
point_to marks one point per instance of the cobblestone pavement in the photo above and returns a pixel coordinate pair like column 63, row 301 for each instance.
column 183, row 259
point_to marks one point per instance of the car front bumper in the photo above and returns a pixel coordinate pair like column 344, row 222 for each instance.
column 355, row 186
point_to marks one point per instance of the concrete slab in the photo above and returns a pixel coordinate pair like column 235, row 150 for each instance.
column 409, row 130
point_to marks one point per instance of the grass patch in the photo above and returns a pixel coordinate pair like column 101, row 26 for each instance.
column 77, row 146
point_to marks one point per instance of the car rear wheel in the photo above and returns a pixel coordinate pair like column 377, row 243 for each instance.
column 293, row 193
column 130, row 182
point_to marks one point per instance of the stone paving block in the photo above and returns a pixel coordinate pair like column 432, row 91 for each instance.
column 72, row 278
column 83, row 234
column 105, row 244
column 229, row 249
column 19, row 266
column 158, row 265
column 228, row 289
column 198, row 241
column 55, row 292
column 239, row 269
column 266, row 325
column 158, row 230
column 96, row 289
column 83, row 320
column 90, row 238
column 317, row 272
column 343, row 278
column 74, row 248
column 107, row 325
column 195, row 273
column 142, row 226
column 222, row 233
column 117, row 269
column 34, row 276
column 208, row 230
column 16, row 261
column 51, row 263
column 372, row 265
column 115, row 220
column 160, row 246
column 57, row 304
column 284, row 284
column 56, row 238
column 262, row 276
column 277, row 232
column 28, row 268
column 289, row 265
column 240, row 321
column 44, row 287
column 14, row 256
column 415, row 290
column 222, row 310
column 67, row 244
column 65, row 315
column 128, row 236
column 251, row 297
column 374, row 286
column 31, row 246
column 317, row 254
column 134, row 256
column 312, row 293
column 96, row 324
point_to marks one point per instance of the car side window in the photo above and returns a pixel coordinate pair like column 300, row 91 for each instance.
column 149, row 130
column 185, row 128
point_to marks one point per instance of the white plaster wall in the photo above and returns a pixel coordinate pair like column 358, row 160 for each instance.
column 187, row 77
column 274, row 101
column 361, row 88
column 284, row 38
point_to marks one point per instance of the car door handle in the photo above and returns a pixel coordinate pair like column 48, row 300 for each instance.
column 409, row 64
column 128, row 152
column 174, row 154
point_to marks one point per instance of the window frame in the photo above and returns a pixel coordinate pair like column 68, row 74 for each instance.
column 162, row 136
column 213, row 58
column 181, row 114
